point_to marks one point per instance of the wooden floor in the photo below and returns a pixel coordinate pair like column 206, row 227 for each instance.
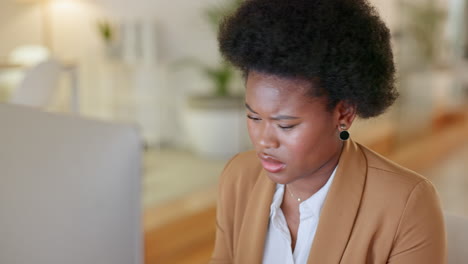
column 186, row 240
column 189, row 240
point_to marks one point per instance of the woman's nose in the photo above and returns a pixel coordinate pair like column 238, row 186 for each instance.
column 268, row 139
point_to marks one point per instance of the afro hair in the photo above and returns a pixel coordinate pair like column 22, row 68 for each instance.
column 341, row 46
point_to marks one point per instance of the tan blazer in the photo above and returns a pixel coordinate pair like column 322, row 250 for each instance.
column 375, row 212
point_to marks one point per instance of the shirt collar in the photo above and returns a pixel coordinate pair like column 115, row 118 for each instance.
column 308, row 208
column 313, row 205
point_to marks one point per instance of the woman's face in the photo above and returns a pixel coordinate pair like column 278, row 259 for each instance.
column 294, row 135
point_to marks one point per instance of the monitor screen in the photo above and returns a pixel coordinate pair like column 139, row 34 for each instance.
column 69, row 189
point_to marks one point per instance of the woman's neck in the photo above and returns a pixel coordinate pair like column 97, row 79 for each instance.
column 307, row 186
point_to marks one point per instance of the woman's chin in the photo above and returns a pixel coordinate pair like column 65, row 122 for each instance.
column 280, row 177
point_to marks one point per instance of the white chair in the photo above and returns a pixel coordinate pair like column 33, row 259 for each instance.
column 19, row 59
column 69, row 190
column 457, row 238
column 39, row 84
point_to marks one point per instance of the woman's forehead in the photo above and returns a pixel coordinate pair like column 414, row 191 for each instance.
column 270, row 93
column 276, row 85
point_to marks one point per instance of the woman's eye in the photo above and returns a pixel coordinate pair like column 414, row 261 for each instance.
column 286, row 127
column 253, row 118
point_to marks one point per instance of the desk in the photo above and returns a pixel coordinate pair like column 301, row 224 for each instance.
column 71, row 69
column 10, row 66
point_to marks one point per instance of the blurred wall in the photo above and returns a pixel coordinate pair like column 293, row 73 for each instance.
column 18, row 24
column 73, row 34
column 182, row 32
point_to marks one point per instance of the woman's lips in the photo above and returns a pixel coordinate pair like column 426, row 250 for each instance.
column 271, row 165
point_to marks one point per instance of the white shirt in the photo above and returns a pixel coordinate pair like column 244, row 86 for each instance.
column 278, row 240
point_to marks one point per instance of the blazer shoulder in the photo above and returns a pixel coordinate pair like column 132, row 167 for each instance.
column 379, row 165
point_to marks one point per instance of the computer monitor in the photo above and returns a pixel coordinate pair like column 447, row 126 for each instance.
column 69, row 190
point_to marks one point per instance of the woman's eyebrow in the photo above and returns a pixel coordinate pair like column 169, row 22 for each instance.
column 284, row 117
column 250, row 108
column 279, row 117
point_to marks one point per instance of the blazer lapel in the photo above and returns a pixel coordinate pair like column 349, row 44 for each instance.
column 252, row 236
column 341, row 207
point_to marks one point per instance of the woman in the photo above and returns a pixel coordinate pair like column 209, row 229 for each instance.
column 308, row 193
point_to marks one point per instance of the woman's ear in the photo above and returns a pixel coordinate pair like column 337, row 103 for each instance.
column 345, row 114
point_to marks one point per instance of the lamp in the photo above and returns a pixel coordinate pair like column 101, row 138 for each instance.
column 45, row 21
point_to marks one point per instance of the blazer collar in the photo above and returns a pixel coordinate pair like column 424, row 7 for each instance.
column 341, row 207
column 254, row 228
column 336, row 220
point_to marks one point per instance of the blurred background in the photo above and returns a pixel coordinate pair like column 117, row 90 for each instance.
column 155, row 63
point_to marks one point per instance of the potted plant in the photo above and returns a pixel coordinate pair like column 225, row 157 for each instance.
column 424, row 25
column 107, row 32
column 422, row 70
column 215, row 122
